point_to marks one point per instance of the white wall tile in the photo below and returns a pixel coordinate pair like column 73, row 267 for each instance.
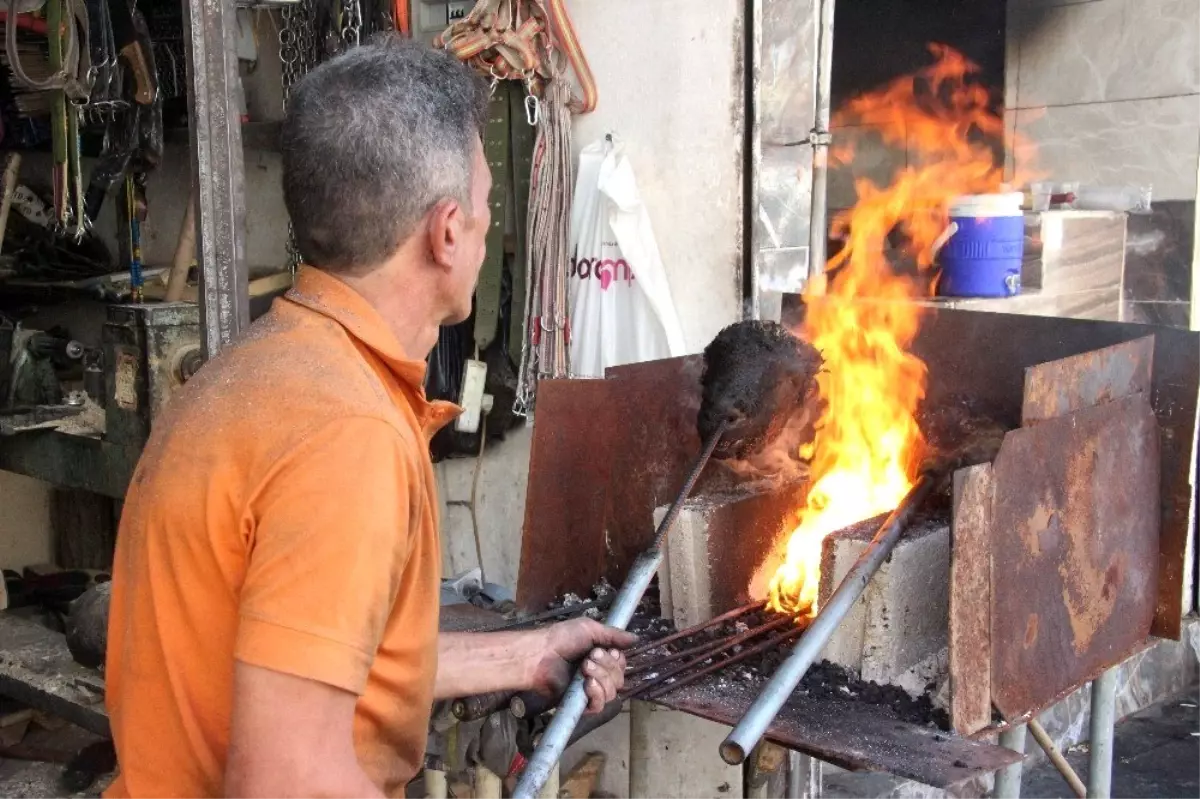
column 1104, row 50
column 1138, row 142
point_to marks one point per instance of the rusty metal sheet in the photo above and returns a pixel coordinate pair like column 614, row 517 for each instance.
column 1082, row 381
column 852, row 735
column 1075, row 534
column 971, row 600
column 983, row 356
column 605, row 454
column 652, row 450
column 563, row 538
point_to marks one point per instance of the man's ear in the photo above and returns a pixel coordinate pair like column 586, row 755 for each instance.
column 444, row 224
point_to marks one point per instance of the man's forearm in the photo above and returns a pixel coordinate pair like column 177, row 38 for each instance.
column 476, row 663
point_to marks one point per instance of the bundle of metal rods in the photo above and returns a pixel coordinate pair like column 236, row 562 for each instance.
column 655, row 669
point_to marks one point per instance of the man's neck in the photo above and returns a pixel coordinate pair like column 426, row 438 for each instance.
column 406, row 305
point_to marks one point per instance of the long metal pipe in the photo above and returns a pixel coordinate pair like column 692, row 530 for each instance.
column 1100, row 741
column 819, row 139
column 766, row 707
column 574, row 702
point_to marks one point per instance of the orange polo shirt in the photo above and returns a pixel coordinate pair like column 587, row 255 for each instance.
column 283, row 514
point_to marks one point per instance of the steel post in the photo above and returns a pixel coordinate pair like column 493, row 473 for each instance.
column 1100, row 758
column 804, row 777
column 215, row 136
column 819, row 139
column 1008, row 779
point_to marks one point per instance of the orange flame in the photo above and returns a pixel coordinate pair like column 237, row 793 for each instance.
column 868, row 445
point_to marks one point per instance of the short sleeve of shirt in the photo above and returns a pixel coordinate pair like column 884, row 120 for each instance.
column 331, row 536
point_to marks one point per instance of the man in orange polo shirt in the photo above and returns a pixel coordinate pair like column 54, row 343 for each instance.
column 273, row 628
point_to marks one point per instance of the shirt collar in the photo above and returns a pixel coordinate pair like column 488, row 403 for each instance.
column 330, row 297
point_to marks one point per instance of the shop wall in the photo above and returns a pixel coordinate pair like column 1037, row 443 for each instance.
column 1108, row 92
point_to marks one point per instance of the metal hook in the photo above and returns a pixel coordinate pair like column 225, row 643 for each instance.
column 533, row 110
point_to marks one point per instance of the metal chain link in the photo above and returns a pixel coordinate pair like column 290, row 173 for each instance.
column 298, row 54
column 351, row 23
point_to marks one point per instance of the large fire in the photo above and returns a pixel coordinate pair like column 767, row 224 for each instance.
column 868, row 446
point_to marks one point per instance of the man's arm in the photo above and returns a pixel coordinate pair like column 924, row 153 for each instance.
column 292, row 737
column 538, row 660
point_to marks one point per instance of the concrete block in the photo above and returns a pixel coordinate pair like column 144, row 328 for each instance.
column 673, row 756
column 613, row 740
column 898, row 631
column 685, row 576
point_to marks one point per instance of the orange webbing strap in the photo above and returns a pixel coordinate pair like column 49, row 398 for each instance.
column 400, row 14
column 564, row 34
column 520, row 39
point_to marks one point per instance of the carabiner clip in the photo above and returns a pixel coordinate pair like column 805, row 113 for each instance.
column 533, row 110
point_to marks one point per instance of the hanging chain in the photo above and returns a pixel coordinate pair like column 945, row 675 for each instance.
column 297, row 52
column 351, row 23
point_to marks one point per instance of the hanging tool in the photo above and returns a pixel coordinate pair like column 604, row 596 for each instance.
column 136, row 214
column 131, row 48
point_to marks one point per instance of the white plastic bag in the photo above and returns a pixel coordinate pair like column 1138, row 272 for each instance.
column 621, row 308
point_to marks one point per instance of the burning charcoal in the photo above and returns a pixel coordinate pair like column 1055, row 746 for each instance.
column 757, row 377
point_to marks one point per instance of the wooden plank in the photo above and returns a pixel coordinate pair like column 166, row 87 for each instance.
column 971, row 600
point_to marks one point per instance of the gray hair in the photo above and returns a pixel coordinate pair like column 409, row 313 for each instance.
column 371, row 141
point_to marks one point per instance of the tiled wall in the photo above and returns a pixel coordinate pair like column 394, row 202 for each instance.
column 877, row 41
column 1108, row 91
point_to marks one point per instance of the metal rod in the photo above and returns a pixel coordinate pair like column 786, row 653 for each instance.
column 570, row 611
column 766, row 707
column 473, row 708
column 819, row 139
column 694, row 629
column 558, row 733
column 706, row 654
column 1056, row 757
column 711, row 647
column 1008, row 779
column 1100, row 757
column 688, row 679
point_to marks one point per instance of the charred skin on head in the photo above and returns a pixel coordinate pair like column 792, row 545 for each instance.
column 759, row 378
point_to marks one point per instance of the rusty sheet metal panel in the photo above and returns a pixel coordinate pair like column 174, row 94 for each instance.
column 654, row 445
column 1084, row 381
column 562, row 541
column 984, row 356
column 1075, row 531
column 971, row 600
column 852, row 735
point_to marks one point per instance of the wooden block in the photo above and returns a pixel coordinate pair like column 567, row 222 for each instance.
column 971, row 600
column 582, row 780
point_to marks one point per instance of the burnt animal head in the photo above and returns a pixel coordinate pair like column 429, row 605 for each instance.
column 757, row 377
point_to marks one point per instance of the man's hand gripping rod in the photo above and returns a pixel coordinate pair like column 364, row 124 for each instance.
column 574, row 702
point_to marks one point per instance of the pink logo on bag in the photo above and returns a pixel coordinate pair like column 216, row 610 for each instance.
column 606, row 270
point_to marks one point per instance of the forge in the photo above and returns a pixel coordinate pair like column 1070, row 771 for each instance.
column 1054, row 546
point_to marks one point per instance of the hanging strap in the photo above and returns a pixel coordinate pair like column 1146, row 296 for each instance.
column 522, row 40
column 487, row 290
column 523, row 136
